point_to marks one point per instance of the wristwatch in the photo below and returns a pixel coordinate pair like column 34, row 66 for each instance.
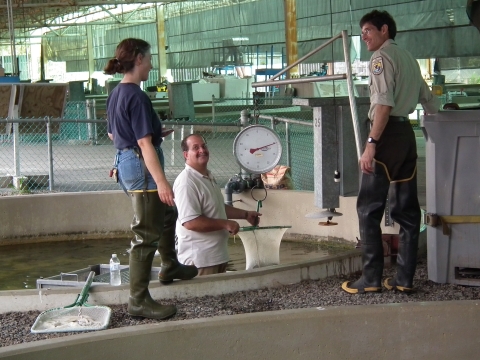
column 372, row 140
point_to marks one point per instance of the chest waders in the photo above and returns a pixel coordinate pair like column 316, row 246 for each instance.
column 154, row 228
column 394, row 176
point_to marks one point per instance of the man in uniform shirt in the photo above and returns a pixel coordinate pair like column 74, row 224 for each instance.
column 203, row 227
column 389, row 161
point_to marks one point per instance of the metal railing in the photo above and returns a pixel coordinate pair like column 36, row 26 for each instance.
column 348, row 76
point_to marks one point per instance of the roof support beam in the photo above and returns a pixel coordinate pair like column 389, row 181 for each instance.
column 74, row 4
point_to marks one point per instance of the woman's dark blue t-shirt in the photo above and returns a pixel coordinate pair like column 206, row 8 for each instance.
column 131, row 116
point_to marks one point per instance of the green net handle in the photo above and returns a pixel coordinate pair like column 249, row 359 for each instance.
column 83, row 297
column 252, row 228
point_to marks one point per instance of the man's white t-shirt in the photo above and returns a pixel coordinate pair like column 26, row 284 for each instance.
column 195, row 195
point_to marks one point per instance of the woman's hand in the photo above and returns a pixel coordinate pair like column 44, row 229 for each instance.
column 165, row 193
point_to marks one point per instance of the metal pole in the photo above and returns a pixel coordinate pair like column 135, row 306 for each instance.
column 213, row 108
column 244, row 117
column 94, row 104
column 16, row 149
column 89, row 117
column 172, row 151
column 285, row 120
column 244, row 122
column 306, row 56
column 287, row 144
column 301, row 80
column 95, row 134
column 182, row 136
column 271, row 57
column 351, row 94
column 50, row 155
column 78, row 125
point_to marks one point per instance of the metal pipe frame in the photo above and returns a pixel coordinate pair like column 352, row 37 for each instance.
column 351, row 95
column 328, row 42
column 348, row 76
column 300, row 80
column 285, row 120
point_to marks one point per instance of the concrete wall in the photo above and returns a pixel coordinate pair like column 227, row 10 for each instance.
column 63, row 216
column 286, row 207
column 432, row 330
column 58, row 295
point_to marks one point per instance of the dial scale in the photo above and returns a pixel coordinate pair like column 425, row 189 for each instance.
column 257, row 149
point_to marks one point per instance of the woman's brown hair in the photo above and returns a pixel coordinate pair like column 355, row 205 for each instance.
column 125, row 56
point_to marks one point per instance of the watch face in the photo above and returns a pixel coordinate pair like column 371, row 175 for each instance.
column 257, row 149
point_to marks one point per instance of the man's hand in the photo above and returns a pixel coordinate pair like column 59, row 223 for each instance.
column 382, row 113
column 253, row 217
column 366, row 161
column 232, row 227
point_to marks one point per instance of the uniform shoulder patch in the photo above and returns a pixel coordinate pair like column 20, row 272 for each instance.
column 377, row 66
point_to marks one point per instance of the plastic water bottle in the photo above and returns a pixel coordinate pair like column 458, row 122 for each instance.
column 115, row 278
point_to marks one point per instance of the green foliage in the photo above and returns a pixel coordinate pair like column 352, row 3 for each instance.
column 23, row 186
column 474, row 79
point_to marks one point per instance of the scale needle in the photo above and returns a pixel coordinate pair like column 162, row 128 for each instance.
column 253, row 150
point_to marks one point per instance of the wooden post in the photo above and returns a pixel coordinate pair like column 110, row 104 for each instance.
column 162, row 52
column 290, row 7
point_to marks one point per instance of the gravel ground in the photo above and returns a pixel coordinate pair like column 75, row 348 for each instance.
column 15, row 327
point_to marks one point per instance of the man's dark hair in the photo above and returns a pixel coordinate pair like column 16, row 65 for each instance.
column 184, row 144
column 378, row 19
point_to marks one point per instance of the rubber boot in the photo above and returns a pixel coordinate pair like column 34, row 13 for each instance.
column 171, row 269
column 370, row 207
column 405, row 210
column 146, row 229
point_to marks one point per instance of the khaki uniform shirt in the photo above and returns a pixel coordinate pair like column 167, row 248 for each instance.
column 396, row 81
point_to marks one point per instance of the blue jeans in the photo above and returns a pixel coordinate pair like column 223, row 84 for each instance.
column 131, row 172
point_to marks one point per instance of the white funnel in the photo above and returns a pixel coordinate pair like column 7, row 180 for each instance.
column 262, row 245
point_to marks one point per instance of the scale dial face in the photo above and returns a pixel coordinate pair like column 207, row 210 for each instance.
column 257, row 149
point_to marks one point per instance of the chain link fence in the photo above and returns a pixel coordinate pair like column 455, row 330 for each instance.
column 228, row 110
column 75, row 154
